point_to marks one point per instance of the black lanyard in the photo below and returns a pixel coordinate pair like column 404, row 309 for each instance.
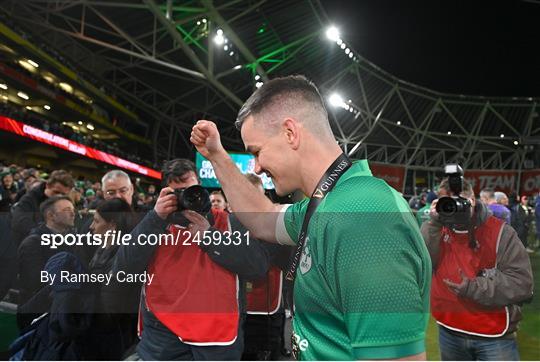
column 325, row 185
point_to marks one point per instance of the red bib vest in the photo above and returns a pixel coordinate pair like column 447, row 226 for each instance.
column 461, row 314
column 264, row 296
column 191, row 295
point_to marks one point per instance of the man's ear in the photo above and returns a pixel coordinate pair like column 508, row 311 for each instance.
column 291, row 129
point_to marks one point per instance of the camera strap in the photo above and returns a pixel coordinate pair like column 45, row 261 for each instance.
column 325, row 185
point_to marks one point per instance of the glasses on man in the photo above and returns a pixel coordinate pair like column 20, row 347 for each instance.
column 121, row 191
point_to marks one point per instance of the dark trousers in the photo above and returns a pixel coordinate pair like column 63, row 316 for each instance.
column 159, row 343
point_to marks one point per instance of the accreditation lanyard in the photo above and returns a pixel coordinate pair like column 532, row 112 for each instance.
column 325, row 185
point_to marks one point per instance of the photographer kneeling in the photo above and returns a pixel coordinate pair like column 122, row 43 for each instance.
column 481, row 274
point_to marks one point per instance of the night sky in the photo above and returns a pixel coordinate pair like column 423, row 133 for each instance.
column 470, row 47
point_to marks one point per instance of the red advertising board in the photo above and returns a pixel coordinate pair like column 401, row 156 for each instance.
column 393, row 175
column 530, row 182
column 504, row 181
column 24, row 130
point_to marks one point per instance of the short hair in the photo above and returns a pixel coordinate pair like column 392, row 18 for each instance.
column 49, row 203
column 499, row 196
column 254, row 179
column 112, row 175
column 175, row 169
column 118, row 211
column 467, row 187
column 220, row 193
column 287, row 94
column 62, row 177
column 487, row 193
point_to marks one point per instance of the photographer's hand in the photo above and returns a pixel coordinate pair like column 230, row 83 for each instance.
column 197, row 222
column 166, row 203
column 458, row 288
column 433, row 214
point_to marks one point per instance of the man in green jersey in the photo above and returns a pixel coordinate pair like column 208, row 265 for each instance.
column 362, row 283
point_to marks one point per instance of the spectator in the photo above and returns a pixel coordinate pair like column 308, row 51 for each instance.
column 8, row 183
column 499, row 210
column 481, row 275
column 501, row 198
column 114, row 325
column 25, row 213
column 18, row 180
column 29, row 181
column 7, row 192
column 151, row 190
column 90, row 196
column 58, row 213
column 422, row 215
column 522, row 217
column 116, row 183
column 418, row 202
column 218, row 200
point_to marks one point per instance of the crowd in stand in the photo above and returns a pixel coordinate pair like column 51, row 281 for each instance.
column 33, row 119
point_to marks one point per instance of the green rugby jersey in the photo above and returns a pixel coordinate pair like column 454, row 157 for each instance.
column 362, row 284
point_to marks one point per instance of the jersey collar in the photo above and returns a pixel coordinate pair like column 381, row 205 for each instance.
column 358, row 168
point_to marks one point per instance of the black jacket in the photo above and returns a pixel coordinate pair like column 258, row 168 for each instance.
column 5, row 198
column 63, row 333
column 521, row 220
column 25, row 214
column 32, row 257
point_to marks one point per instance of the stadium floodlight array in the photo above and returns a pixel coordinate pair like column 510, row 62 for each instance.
column 332, row 33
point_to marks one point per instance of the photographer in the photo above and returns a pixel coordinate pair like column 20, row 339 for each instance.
column 193, row 308
column 481, row 273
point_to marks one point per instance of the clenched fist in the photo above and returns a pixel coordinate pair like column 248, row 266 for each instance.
column 205, row 137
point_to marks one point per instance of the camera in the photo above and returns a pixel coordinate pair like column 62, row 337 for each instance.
column 454, row 210
column 194, row 198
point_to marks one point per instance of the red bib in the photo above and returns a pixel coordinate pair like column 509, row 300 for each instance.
column 461, row 314
column 265, row 294
column 190, row 294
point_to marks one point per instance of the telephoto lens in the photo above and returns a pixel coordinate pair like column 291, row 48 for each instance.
column 454, row 210
column 194, row 198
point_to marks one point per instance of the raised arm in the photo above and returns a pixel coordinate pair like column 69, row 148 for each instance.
column 254, row 210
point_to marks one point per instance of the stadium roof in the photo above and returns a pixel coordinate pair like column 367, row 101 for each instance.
column 162, row 59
